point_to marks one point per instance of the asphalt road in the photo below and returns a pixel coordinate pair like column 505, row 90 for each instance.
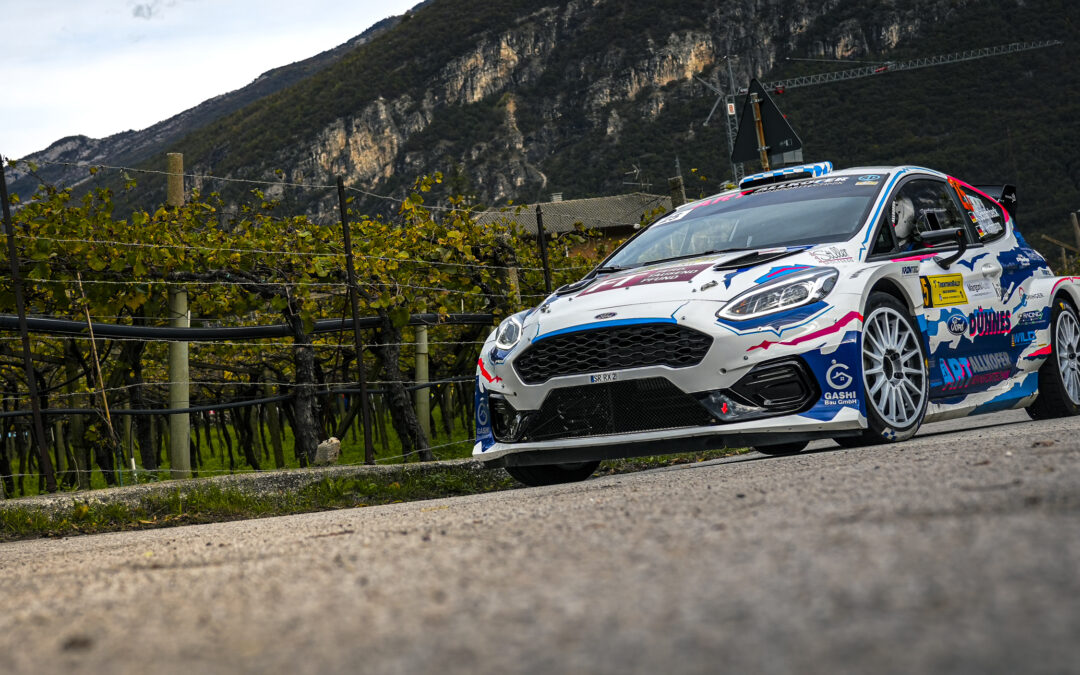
column 957, row 552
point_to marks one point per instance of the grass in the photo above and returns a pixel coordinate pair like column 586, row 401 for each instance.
column 457, row 445
column 210, row 503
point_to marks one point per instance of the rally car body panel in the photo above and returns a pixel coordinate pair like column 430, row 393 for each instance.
column 984, row 318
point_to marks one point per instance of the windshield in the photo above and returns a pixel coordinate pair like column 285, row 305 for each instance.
column 815, row 211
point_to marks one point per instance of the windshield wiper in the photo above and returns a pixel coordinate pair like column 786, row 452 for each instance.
column 608, row 269
column 693, row 255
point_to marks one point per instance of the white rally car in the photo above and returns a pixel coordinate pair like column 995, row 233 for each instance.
column 808, row 303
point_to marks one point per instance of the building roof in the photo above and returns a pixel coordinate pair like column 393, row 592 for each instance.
column 598, row 213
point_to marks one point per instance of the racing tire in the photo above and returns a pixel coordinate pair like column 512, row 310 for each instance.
column 778, row 449
column 1059, row 376
column 896, row 386
column 552, row 474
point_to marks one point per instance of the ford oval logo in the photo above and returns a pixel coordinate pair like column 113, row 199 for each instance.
column 605, row 315
column 958, row 324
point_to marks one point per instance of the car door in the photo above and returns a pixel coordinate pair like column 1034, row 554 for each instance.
column 965, row 320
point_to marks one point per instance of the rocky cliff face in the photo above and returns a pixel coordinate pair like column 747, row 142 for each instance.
column 612, row 84
column 555, row 96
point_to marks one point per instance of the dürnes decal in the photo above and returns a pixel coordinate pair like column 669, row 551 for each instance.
column 989, row 322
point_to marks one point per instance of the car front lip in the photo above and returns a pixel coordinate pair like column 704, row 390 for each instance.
column 788, row 427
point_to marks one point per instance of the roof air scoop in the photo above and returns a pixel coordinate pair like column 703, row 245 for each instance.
column 783, row 175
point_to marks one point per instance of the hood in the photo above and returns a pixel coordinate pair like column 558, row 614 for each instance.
column 656, row 290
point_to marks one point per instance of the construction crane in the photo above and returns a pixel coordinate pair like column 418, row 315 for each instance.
column 880, row 68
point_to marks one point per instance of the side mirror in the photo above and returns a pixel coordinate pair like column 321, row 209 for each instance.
column 947, row 236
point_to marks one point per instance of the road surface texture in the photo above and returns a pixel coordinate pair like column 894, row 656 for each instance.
column 958, row 552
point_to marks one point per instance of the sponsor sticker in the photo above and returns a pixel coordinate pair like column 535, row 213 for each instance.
column 814, row 182
column 941, row 290
column 1023, row 338
column 1028, row 318
column 980, row 289
column 981, row 369
column 603, row 377
column 866, row 182
column 909, row 270
column 833, row 254
column 957, row 324
column 838, row 376
column 672, row 217
column 660, row 276
column 985, row 322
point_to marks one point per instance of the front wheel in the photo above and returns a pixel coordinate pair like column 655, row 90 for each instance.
column 895, row 381
column 552, row 474
column 1059, row 377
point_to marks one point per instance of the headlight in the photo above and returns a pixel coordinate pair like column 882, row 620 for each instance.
column 784, row 293
column 508, row 334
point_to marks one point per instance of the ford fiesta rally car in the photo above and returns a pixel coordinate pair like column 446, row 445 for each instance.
column 808, row 303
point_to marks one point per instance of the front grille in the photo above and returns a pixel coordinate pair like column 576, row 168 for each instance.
column 617, row 348
column 615, row 408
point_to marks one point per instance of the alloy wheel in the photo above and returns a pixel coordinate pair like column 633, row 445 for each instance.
column 1067, row 347
column 893, row 371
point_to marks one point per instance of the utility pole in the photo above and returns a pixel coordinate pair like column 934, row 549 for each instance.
column 179, row 386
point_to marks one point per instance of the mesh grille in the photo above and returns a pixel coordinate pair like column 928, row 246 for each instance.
column 651, row 344
column 616, row 408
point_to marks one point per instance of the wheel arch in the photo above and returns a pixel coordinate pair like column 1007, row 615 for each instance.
column 1057, row 289
column 1069, row 293
column 889, row 286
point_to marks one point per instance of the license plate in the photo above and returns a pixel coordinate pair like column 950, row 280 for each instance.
column 603, row 377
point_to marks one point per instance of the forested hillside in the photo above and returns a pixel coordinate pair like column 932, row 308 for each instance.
column 515, row 100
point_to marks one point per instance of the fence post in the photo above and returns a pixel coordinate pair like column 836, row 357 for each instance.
column 1076, row 228
column 350, row 272
column 179, row 395
column 422, row 396
column 678, row 191
column 28, row 365
column 541, row 240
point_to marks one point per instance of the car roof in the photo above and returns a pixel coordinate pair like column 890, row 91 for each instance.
column 851, row 171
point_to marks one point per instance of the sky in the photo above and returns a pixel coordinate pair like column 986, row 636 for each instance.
column 99, row 67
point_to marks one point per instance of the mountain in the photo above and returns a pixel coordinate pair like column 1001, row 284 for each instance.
column 517, row 99
column 134, row 148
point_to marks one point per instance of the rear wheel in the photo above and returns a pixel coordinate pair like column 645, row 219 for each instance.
column 782, row 448
column 552, row 474
column 1059, row 377
column 896, row 386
